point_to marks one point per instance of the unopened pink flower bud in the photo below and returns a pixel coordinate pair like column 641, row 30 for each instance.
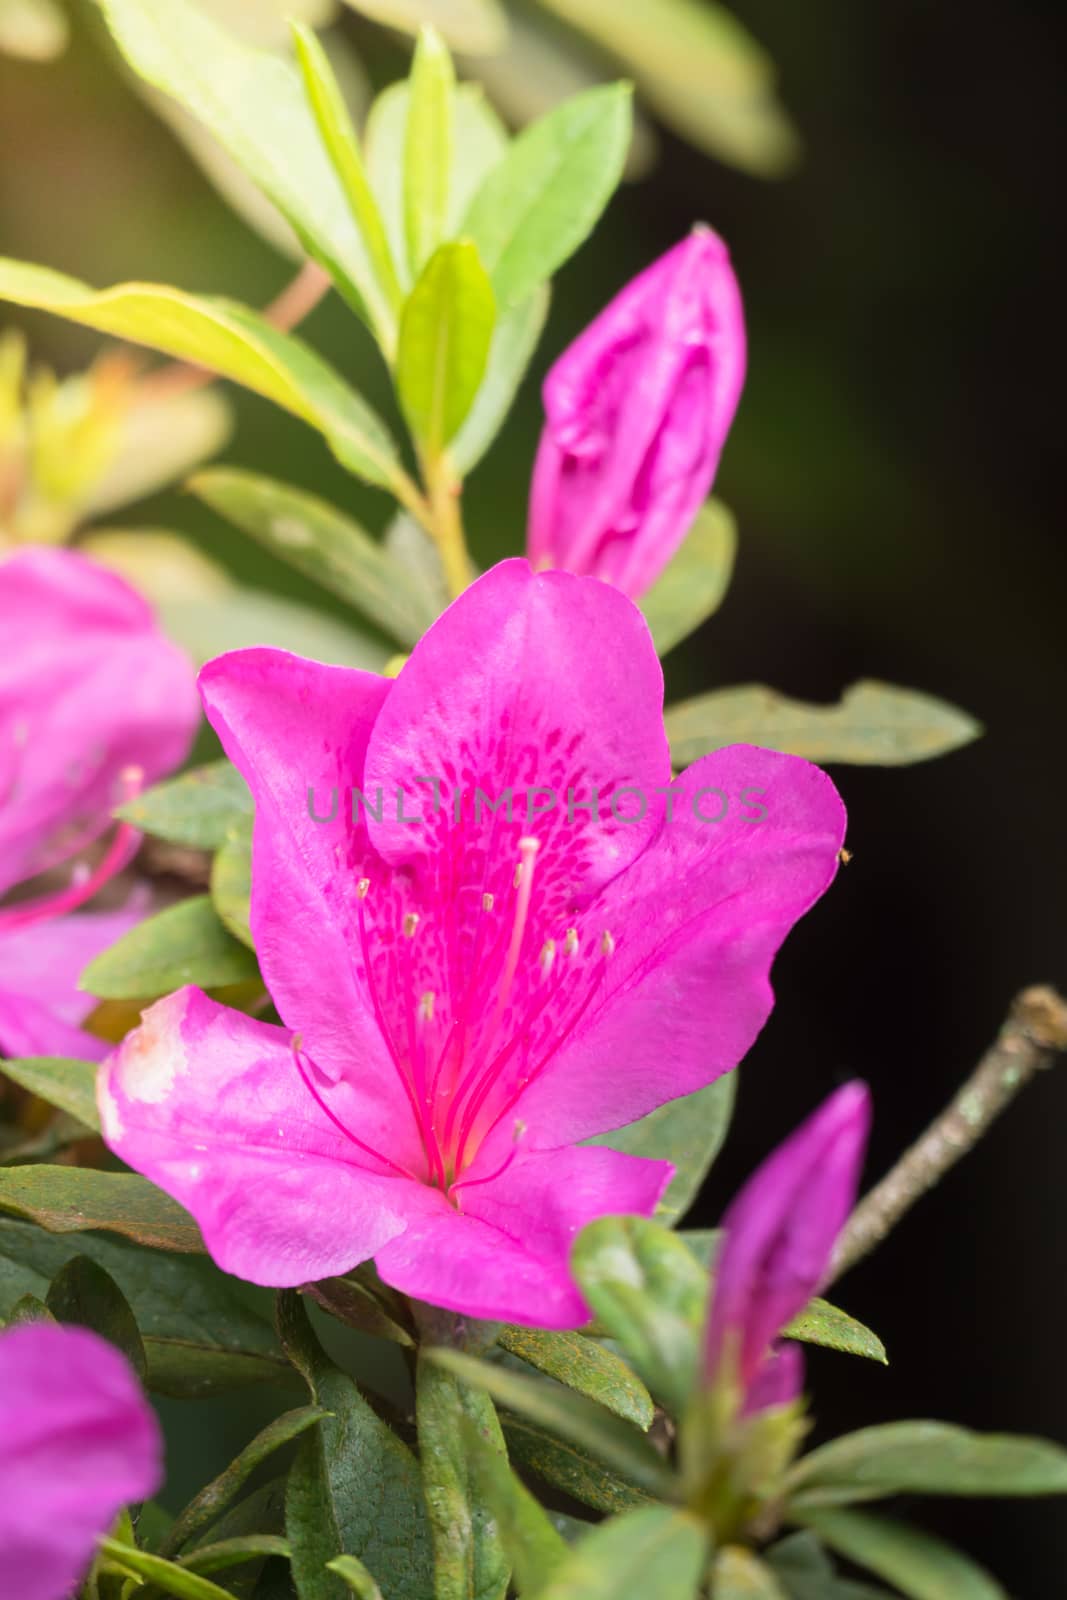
column 636, row 414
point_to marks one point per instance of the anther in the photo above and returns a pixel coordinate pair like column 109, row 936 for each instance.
column 547, row 956
column 361, row 888
column 426, row 1006
column 570, row 943
column 607, row 944
column 487, row 902
column 411, row 923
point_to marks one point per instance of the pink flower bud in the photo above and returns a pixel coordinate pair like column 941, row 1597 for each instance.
column 780, row 1232
column 637, row 412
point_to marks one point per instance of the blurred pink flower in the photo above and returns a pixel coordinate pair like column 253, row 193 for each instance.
column 93, row 700
column 78, row 1442
column 469, row 998
column 637, row 411
column 780, row 1233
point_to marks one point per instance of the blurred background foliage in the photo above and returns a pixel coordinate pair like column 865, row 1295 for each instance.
column 891, row 470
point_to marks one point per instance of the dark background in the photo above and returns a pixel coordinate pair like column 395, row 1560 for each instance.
column 892, row 472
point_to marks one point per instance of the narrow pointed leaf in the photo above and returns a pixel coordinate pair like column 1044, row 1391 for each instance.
column 823, row 1324
column 225, row 338
column 172, row 1579
column 920, row 1566
column 231, row 882
column 83, row 1293
column 694, row 585
column 531, row 1544
column 469, row 1562
column 653, row 1551
column 225, row 1553
column 70, row 1085
column 428, row 149
column 196, row 809
column 209, row 625
column 74, row 1199
column 445, row 336
column 571, row 1468
column 476, row 27
column 545, row 196
column 356, row 1576
column 874, row 724
column 186, row 943
column 515, row 338
column 688, row 1132
column 585, row 1366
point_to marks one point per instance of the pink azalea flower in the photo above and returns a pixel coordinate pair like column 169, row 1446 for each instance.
column 93, row 699
column 468, row 996
column 780, row 1233
column 637, row 411
column 78, row 1441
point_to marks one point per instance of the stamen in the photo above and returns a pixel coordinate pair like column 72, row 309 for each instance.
column 487, row 902
column 607, row 944
column 547, row 956
column 528, row 849
column 473, row 1183
column 411, row 924
column 362, row 888
column 570, row 943
column 426, row 1007
column 297, row 1049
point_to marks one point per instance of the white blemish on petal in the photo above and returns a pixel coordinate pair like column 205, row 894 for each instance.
column 110, row 1121
column 152, row 1058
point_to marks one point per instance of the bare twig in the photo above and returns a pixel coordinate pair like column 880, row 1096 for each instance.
column 1034, row 1034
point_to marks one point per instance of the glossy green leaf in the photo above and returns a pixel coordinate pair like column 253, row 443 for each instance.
column 653, row 1551
column 689, row 1133
column 200, row 1331
column 173, row 1580
column 316, row 539
column 823, row 1324
column 874, row 724
column 354, row 1488
column 927, row 1458
column 356, row 1576
column 196, row 809
column 231, row 882
column 693, row 586
column 212, row 1500
column 476, row 27
column 253, row 102
column 531, row 1544
column 427, row 149
column 70, row 1085
column 916, row 1563
column 648, row 1291
column 225, row 338
column 73, row 1199
column 445, row 334
column 546, row 194
column 569, row 1467
column 585, row 1366
column 381, row 286
column 83, row 1292
column 206, row 626
column 515, row 338
column 741, row 1575
column 186, row 943
column 469, row 1562
column 569, row 1416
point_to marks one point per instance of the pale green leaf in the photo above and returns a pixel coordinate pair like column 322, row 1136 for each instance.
column 469, row 1562
column 692, row 587
column 173, row 1580
column 231, row 882
column 585, row 1366
column 654, row 1551
column 70, row 1085
column 919, row 1565
column 874, row 724
column 688, row 1132
column 198, row 809
column 445, row 334
column 546, row 194
column 515, row 338
column 161, row 441
column 428, row 149
column 356, row 1576
column 34, row 30
column 741, row 1575
column 186, row 943
column 475, row 27
column 533, row 1547
column 207, row 625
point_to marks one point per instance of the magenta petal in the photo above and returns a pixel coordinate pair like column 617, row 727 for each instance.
column 88, row 688
column 211, row 1107
column 40, row 1002
column 694, row 925
column 77, row 1443
column 781, row 1229
column 779, row 1380
column 504, row 1256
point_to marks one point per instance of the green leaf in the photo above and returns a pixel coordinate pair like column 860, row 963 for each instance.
column 200, row 1332
column 196, row 809
column 34, row 30
column 585, row 1366
column 803, row 1568
column 212, row 1500
column 162, row 440
column 70, row 1085
column 693, row 586
column 226, row 1553
column 381, row 287
column 515, row 338
column 428, row 149
column 874, row 724
column 253, row 102
column 919, row 1565
column 186, row 943
column 701, row 71
column 173, row 1580
column 574, row 1470
column 469, row 1563
column 650, row 1294
column 569, row 1416
column 321, row 542
column 688, row 1132
column 83, row 1293
column 231, row 882
column 225, row 338
column 445, row 334
column 741, row 1575
column 354, row 1488
column 533, row 1547
column 353, row 1303
column 546, row 194
column 476, row 27
column 823, row 1324
column 355, row 1576
column 74, row 1199
column 927, row 1458
column 653, row 1551
column 208, row 625
column 27, row 1308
